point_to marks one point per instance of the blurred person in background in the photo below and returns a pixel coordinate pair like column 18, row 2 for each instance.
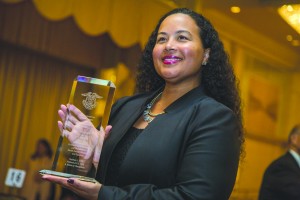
column 34, row 188
column 281, row 180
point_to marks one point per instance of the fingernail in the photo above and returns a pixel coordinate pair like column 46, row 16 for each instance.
column 71, row 181
column 44, row 178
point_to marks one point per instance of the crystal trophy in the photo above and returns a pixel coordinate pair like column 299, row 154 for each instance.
column 76, row 158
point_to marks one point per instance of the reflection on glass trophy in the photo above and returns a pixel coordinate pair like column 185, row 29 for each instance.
column 74, row 155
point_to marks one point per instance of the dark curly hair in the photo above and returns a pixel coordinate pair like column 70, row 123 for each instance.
column 47, row 145
column 217, row 76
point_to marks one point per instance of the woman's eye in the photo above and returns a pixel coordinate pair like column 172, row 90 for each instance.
column 161, row 39
column 182, row 37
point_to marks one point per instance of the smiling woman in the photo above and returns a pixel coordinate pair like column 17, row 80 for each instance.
column 188, row 146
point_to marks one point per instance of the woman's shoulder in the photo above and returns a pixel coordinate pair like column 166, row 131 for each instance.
column 210, row 103
column 204, row 102
column 209, row 109
column 204, row 109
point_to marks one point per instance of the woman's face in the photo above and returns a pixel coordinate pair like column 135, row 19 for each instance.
column 41, row 148
column 178, row 52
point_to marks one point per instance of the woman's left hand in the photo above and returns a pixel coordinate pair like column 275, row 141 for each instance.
column 81, row 133
column 86, row 190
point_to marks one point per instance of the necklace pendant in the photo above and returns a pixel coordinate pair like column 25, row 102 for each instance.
column 148, row 119
column 147, row 115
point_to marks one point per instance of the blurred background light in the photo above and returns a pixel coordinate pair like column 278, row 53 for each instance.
column 291, row 14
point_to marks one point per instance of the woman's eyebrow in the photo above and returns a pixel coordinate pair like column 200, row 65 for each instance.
column 183, row 31
column 162, row 33
column 177, row 32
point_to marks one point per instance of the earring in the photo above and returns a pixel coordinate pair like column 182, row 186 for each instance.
column 206, row 56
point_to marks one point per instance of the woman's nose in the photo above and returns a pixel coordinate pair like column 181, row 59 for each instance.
column 170, row 46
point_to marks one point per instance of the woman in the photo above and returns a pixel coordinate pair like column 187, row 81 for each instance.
column 34, row 186
column 181, row 136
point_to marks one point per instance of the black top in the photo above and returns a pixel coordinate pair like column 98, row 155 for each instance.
column 119, row 155
column 190, row 152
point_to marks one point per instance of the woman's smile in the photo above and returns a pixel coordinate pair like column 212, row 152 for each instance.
column 171, row 59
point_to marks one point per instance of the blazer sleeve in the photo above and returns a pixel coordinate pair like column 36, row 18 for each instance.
column 207, row 169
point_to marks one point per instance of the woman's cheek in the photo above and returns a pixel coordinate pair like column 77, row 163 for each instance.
column 156, row 53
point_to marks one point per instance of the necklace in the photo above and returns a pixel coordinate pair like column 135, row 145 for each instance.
column 148, row 115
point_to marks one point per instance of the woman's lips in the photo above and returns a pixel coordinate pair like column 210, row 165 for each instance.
column 171, row 60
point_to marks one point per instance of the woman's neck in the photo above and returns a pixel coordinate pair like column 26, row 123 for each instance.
column 170, row 94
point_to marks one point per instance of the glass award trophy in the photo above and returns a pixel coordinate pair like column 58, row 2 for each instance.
column 75, row 158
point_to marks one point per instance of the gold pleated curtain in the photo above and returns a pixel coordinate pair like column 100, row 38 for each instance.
column 127, row 21
column 32, row 87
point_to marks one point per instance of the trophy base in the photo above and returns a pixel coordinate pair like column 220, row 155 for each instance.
column 66, row 175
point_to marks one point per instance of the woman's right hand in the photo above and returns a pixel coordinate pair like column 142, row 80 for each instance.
column 81, row 133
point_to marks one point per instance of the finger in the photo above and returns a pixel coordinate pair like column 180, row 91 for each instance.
column 80, row 184
column 88, row 153
column 80, row 116
column 103, row 134
column 69, row 125
column 87, row 190
column 60, row 126
column 64, row 108
column 63, row 182
column 66, row 133
column 62, row 115
column 56, row 179
column 107, row 131
column 73, row 119
column 98, row 149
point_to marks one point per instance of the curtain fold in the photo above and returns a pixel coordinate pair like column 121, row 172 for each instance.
column 128, row 22
column 22, row 25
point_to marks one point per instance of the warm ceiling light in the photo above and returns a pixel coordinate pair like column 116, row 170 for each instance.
column 291, row 14
column 235, row 9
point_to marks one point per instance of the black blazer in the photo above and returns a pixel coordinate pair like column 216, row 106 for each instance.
column 190, row 152
column 281, row 180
